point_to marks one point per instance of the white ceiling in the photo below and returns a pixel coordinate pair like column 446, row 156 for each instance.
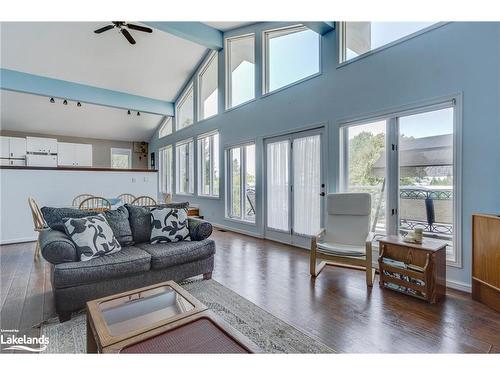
column 32, row 113
column 156, row 67
column 225, row 26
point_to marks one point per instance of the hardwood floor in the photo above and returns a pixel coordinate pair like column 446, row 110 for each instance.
column 337, row 308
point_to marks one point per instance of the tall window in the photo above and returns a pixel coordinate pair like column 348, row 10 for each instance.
column 408, row 163
column 241, row 183
column 208, row 165
column 184, row 109
column 358, row 38
column 165, row 168
column 240, row 70
column 207, row 88
column 291, row 54
column 121, row 158
column 184, row 155
column 166, row 128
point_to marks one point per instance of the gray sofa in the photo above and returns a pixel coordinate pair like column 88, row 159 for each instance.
column 138, row 264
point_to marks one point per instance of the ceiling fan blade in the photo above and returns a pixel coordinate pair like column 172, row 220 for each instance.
column 127, row 35
column 139, row 28
column 103, row 29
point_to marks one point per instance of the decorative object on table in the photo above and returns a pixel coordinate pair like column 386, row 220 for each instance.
column 165, row 197
column 79, row 199
column 39, row 224
column 269, row 333
column 92, row 236
column 144, row 201
column 193, row 211
column 169, row 225
column 414, row 236
column 98, row 204
column 347, row 240
column 141, row 148
column 152, row 160
column 486, row 260
column 126, row 198
column 418, row 270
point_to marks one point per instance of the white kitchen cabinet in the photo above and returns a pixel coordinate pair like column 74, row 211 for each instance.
column 13, row 147
column 74, row 155
column 41, row 145
column 4, row 147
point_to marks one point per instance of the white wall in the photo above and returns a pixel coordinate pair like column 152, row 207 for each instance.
column 58, row 188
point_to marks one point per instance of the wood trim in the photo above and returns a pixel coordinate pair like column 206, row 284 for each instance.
column 87, row 169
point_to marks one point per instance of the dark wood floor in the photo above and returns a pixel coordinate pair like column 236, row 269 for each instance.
column 337, row 307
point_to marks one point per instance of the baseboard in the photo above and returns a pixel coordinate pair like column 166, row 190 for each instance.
column 18, row 240
column 458, row 285
column 240, row 231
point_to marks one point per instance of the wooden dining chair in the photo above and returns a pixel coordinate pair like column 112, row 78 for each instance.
column 99, row 204
column 144, row 201
column 39, row 224
column 126, row 198
column 80, row 198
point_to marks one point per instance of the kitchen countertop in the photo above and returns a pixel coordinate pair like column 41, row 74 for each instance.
column 88, row 169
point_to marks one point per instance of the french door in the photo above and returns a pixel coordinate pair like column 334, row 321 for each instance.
column 295, row 187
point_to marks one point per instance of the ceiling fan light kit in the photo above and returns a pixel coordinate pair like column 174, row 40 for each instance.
column 122, row 28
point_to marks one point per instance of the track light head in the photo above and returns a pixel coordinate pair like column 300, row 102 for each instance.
column 65, row 102
column 128, row 112
column 52, row 100
column 138, row 113
column 78, row 104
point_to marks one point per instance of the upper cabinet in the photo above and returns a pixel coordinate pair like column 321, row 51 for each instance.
column 74, row 155
column 12, row 148
column 41, row 145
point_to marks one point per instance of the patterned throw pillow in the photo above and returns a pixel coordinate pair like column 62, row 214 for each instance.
column 169, row 225
column 92, row 236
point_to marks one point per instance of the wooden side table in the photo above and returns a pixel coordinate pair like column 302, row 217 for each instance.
column 418, row 270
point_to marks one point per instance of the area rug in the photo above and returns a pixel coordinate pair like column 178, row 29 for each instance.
column 268, row 332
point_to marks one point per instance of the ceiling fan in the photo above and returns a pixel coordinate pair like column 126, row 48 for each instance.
column 121, row 26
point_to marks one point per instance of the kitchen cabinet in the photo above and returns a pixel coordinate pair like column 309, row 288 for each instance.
column 13, row 148
column 74, row 155
column 41, row 145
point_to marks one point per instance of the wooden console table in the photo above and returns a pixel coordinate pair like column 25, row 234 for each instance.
column 418, row 270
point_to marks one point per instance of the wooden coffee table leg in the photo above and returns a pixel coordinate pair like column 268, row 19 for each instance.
column 91, row 343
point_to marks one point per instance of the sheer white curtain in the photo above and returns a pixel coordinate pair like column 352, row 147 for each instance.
column 278, row 185
column 307, row 185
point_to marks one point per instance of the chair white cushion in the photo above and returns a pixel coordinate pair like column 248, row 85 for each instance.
column 333, row 248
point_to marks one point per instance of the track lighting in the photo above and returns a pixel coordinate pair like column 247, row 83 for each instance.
column 65, row 102
column 78, row 104
column 52, row 100
column 138, row 113
column 128, row 112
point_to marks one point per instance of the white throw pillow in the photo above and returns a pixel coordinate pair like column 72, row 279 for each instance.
column 169, row 225
column 92, row 236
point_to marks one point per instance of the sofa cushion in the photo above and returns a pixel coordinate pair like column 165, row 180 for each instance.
column 169, row 225
column 164, row 255
column 199, row 229
column 140, row 219
column 54, row 216
column 57, row 247
column 119, row 223
column 130, row 260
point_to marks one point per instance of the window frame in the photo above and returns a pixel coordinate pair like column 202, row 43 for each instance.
column 167, row 120
column 454, row 101
column 229, row 177
column 283, row 31
column 190, row 167
column 214, row 55
column 121, row 151
column 227, row 71
column 212, row 150
column 180, row 102
column 161, row 170
column 341, row 42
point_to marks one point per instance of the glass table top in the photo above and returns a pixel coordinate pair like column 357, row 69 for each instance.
column 140, row 310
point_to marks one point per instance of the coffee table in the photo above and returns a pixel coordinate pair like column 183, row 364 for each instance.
column 161, row 318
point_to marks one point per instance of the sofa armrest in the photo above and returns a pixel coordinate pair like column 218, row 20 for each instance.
column 199, row 229
column 57, row 247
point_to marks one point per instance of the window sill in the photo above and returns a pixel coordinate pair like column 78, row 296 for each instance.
column 240, row 105
column 241, row 221
column 185, row 194
column 302, row 80
column 214, row 197
column 391, row 44
column 199, row 121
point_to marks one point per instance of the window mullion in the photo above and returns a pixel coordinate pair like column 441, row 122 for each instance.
column 392, row 175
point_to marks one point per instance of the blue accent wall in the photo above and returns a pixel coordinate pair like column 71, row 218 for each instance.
column 455, row 58
column 34, row 84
